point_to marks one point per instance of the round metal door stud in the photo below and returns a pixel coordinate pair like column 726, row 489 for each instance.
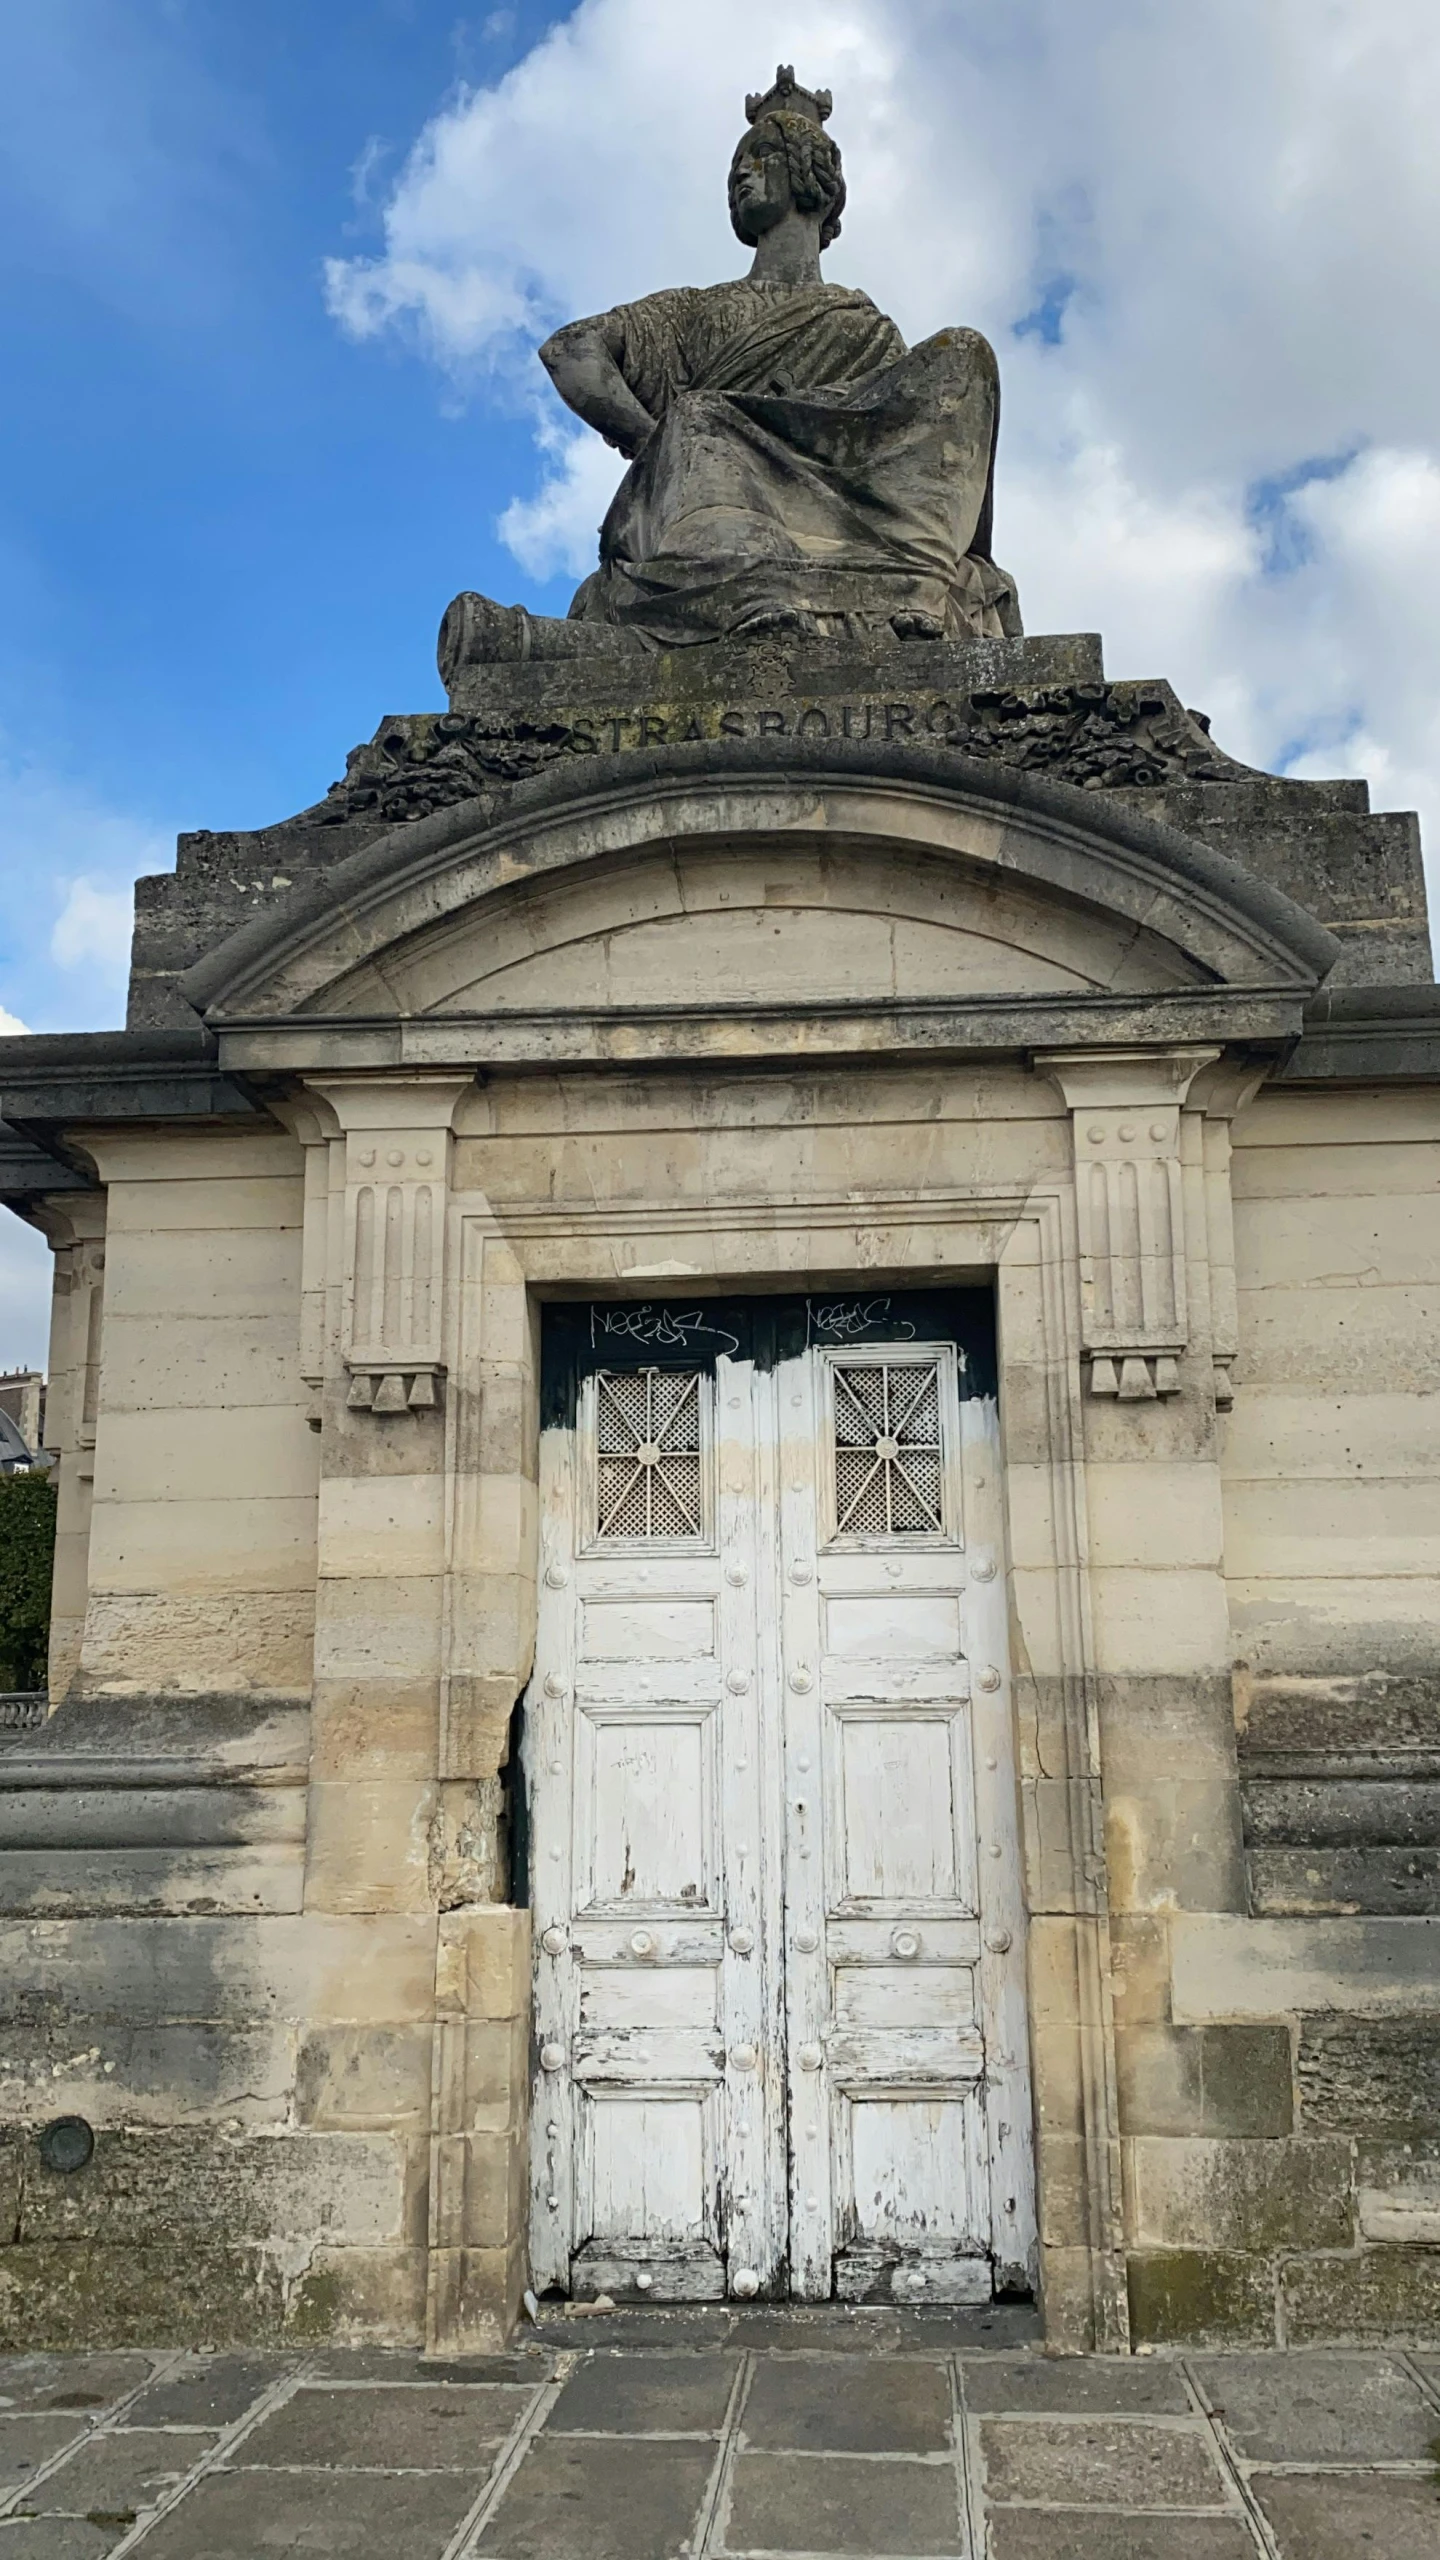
column 742, row 2057
column 738, row 1574
column 806, row 1942
column 553, row 1942
column 800, row 1573
column 989, row 1678
column 642, row 1944
column 742, row 1942
column 554, row 1684
column 811, row 2057
column 737, row 1682
column 802, row 1677
column 67, row 2144
column 999, row 1942
column 555, row 1577
column 905, row 1943
column 983, row 1570
column 552, row 2057
column 745, row 2283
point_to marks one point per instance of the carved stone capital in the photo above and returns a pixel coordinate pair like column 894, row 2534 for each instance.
column 1130, row 1211
column 391, row 1181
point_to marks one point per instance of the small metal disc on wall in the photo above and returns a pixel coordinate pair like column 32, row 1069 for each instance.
column 67, row 2144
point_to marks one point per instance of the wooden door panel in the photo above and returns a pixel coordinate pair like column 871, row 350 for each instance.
column 646, row 1797
column 647, row 2182
column 900, row 1804
column 912, row 2206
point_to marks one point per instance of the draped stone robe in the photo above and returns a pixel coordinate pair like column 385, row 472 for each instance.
column 804, row 459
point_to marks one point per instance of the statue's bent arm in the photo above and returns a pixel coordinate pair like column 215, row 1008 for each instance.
column 583, row 362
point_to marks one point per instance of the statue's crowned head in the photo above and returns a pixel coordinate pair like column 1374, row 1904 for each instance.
column 786, row 162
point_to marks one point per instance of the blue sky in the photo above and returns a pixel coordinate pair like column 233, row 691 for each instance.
column 271, row 277
column 227, row 531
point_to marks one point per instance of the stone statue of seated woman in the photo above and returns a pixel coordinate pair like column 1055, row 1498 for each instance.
column 794, row 466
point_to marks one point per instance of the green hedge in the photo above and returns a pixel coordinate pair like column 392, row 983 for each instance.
column 27, row 1548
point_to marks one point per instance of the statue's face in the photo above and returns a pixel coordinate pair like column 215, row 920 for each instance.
column 759, row 182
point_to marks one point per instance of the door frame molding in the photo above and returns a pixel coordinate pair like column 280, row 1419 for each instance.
column 507, row 1261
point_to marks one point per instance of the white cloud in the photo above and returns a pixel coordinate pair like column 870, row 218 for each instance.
column 93, row 929
column 11, row 1025
column 555, row 529
column 1201, row 239
column 25, row 1276
column 67, row 865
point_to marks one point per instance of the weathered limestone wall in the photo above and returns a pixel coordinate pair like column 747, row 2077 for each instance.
column 260, row 2088
column 1330, row 1453
column 1280, row 2075
column 234, row 1979
column 1330, row 1464
column 202, row 1539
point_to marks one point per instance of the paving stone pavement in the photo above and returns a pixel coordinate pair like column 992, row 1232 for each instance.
column 698, row 2435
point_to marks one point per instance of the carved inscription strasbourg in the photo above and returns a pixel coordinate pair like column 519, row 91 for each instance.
column 1101, row 736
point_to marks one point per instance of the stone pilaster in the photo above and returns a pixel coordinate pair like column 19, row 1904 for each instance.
column 373, row 1279
column 478, row 2109
column 1156, row 1274
column 74, row 1223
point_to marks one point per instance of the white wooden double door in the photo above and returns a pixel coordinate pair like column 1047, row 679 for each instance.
column 780, row 2041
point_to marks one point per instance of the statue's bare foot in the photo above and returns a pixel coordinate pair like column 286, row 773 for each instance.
column 767, row 619
column 917, row 626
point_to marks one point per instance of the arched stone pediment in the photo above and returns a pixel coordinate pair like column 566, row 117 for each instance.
column 762, row 878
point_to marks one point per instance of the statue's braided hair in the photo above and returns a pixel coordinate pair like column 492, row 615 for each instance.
column 813, row 160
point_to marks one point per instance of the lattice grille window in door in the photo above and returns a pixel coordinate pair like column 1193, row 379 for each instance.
column 648, row 1472
column 889, row 1456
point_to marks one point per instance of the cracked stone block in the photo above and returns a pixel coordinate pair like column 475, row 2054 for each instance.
column 1320, row 2408
column 119, row 2474
column 1073, row 2384
column 573, row 2500
column 1021, row 2533
column 232, row 2515
column 815, row 2406
column 794, row 2502
column 1109, row 2462
column 374, row 2428
column 645, row 2395
column 1328, row 2517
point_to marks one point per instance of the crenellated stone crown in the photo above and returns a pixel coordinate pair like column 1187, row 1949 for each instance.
column 788, row 98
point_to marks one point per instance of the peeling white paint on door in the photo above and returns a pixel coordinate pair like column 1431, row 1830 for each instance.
column 780, row 2028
